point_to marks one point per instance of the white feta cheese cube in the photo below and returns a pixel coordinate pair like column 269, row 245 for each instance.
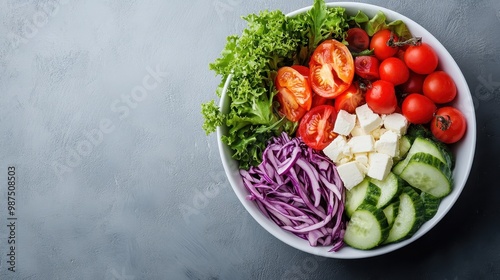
column 345, row 123
column 338, row 149
column 367, row 118
column 388, row 144
column 396, row 122
column 343, row 160
column 361, row 144
column 350, row 174
column 380, row 165
column 377, row 132
column 362, row 160
column 357, row 130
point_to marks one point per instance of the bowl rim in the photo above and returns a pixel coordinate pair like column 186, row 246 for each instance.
column 230, row 164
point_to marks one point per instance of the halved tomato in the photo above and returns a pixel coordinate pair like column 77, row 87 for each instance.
column 294, row 93
column 316, row 127
column 320, row 100
column 332, row 69
column 350, row 99
column 301, row 69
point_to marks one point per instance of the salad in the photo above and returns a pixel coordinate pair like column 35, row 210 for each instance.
column 341, row 124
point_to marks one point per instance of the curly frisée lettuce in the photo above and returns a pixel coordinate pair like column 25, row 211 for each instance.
column 270, row 40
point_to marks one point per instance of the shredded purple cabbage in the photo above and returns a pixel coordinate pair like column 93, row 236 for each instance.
column 300, row 190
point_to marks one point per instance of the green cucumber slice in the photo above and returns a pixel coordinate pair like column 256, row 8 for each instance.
column 367, row 228
column 390, row 188
column 420, row 145
column 404, row 145
column 431, row 204
column 363, row 193
column 409, row 218
column 428, row 174
column 391, row 211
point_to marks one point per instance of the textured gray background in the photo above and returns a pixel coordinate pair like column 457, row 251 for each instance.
column 99, row 113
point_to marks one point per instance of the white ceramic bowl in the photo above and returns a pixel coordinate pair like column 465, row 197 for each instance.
column 464, row 150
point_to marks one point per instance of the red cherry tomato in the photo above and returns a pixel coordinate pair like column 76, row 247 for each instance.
column 320, row 100
column 379, row 44
column 448, row 125
column 331, row 69
column 350, row 99
column 367, row 67
column 316, row 99
column 316, row 127
column 418, row 109
column 394, row 70
column 439, row 87
column 414, row 83
column 400, row 54
column 381, row 97
column 357, row 39
column 303, row 70
column 294, row 94
column 421, row 59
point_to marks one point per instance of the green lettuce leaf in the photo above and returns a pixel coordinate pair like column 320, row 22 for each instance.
column 379, row 22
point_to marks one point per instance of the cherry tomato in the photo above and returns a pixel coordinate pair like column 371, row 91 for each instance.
column 303, row 70
column 294, row 94
column 331, row 69
column 394, row 70
column 421, row 59
column 439, row 87
column 414, row 83
column 357, row 39
column 379, row 44
column 418, row 109
column 320, row 100
column 316, row 99
column 316, row 127
column 448, row 125
column 350, row 99
column 367, row 67
column 400, row 54
column 381, row 97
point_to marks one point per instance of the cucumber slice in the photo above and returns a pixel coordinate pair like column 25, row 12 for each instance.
column 391, row 211
column 421, row 131
column 428, row 174
column 431, row 204
column 447, row 154
column 404, row 145
column 390, row 188
column 363, row 193
column 420, row 145
column 409, row 218
column 398, row 168
column 418, row 130
column 367, row 228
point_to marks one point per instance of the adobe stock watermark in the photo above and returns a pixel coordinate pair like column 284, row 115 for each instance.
column 486, row 90
column 121, row 107
column 224, row 6
column 201, row 198
column 303, row 270
column 32, row 26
